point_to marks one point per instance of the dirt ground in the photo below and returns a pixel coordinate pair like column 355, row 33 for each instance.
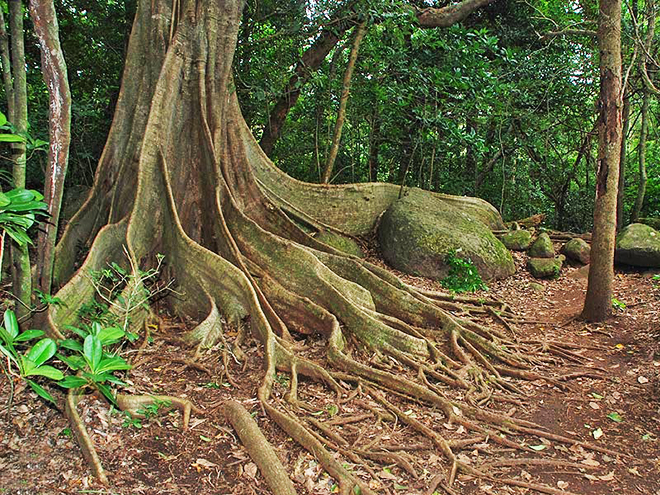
column 606, row 393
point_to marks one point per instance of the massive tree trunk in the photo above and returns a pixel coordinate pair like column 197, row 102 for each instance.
column 182, row 175
column 598, row 302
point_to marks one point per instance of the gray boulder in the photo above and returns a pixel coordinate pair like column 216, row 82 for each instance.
column 517, row 240
column 418, row 231
column 542, row 247
column 577, row 249
column 545, row 267
column 638, row 245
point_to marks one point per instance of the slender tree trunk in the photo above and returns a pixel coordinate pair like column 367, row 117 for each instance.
column 374, row 147
column 598, row 302
column 622, row 163
column 6, row 67
column 643, row 137
column 21, row 276
column 341, row 114
column 310, row 61
column 53, row 67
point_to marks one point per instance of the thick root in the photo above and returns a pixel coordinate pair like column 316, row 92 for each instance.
column 259, row 448
column 135, row 404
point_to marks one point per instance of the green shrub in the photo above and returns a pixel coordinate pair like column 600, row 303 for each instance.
column 463, row 275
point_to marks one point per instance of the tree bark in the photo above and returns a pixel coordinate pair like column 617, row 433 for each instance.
column 6, row 67
column 622, row 164
column 598, row 302
column 433, row 17
column 21, row 273
column 343, row 102
column 53, row 67
column 310, row 62
column 642, row 177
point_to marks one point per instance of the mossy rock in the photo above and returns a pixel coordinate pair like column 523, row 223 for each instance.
column 651, row 222
column 577, row 249
column 545, row 267
column 418, row 231
column 638, row 245
column 517, row 240
column 340, row 242
column 542, row 247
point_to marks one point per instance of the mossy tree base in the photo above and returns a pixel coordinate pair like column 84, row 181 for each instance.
column 181, row 175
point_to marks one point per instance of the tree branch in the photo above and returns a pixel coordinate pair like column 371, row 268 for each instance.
column 449, row 15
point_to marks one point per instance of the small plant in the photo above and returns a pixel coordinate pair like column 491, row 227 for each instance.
column 463, row 275
column 121, row 294
column 616, row 304
column 145, row 412
column 33, row 362
column 94, row 364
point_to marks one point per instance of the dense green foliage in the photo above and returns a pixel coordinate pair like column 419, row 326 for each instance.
column 494, row 106
column 463, row 275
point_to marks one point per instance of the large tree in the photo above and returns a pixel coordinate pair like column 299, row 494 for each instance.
column 182, row 176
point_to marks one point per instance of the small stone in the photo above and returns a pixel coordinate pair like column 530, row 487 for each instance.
column 545, row 267
column 536, row 287
column 577, row 249
column 542, row 247
column 517, row 240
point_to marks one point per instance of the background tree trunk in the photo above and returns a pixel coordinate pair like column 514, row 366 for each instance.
column 343, row 101
column 622, row 164
column 309, row 62
column 641, row 153
column 598, row 302
column 21, row 273
column 53, row 67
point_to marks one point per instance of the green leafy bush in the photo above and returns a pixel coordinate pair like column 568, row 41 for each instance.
column 32, row 362
column 463, row 275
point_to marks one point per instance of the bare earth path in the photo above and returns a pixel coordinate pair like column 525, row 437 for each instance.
column 611, row 398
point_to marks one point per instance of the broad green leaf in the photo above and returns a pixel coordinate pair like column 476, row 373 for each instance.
column 615, row 416
column 596, row 396
column 22, row 207
column 110, row 335
column 6, row 336
column 42, row 351
column 71, row 344
column 4, row 200
column 107, row 392
column 96, row 328
column 11, row 138
column 73, row 362
column 72, row 382
column 11, row 323
column 78, row 331
column 20, row 195
column 114, row 363
column 115, row 381
column 18, row 236
column 47, row 371
column 9, row 352
column 3, row 119
column 92, row 351
column 29, row 335
column 40, row 391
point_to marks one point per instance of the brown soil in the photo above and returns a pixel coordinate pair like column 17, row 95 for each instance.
column 618, row 378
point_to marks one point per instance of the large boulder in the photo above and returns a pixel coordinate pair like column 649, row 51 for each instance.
column 545, row 267
column 651, row 222
column 418, row 231
column 517, row 240
column 638, row 245
column 542, row 247
column 577, row 249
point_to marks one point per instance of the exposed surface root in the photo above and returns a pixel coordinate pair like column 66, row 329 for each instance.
column 83, row 438
column 259, row 449
column 135, row 405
